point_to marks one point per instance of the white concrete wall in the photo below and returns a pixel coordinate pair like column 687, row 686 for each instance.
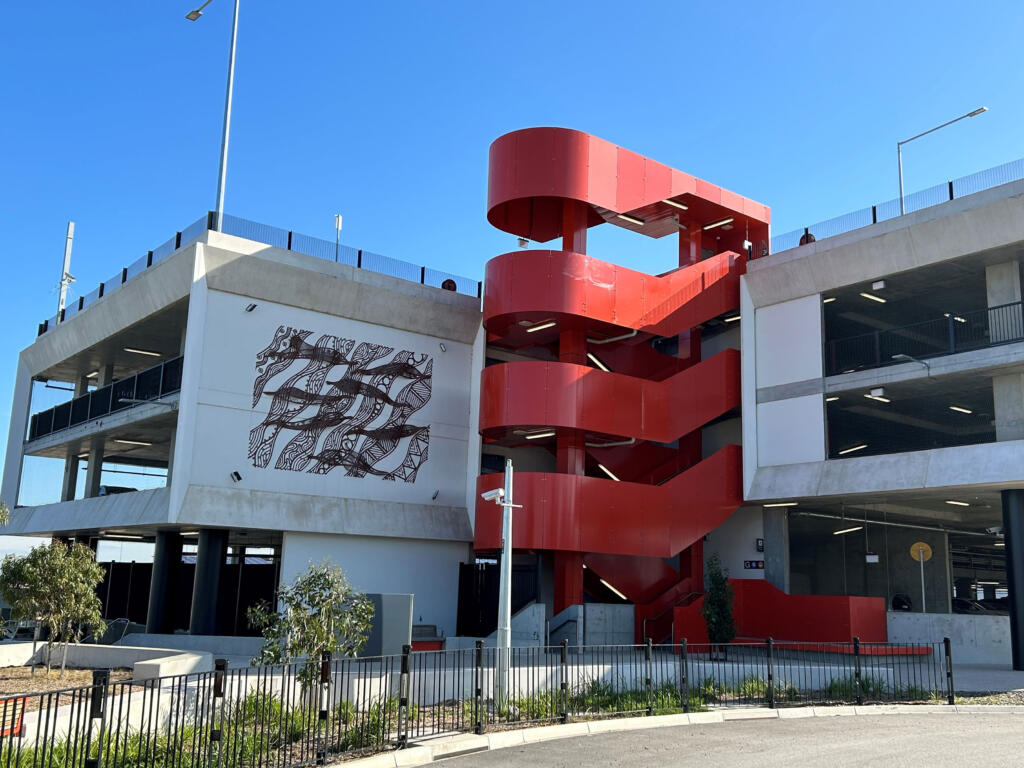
column 225, row 413
column 789, row 342
column 790, row 431
column 974, row 638
column 428, row 570
column 735, row 541
column 609, row 624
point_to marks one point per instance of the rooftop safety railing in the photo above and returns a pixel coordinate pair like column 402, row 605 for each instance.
column 916, row 201
column 947, row 335
column 150, row 384
column 280, row 238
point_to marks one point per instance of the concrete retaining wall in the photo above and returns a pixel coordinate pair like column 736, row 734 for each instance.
column 975, row 638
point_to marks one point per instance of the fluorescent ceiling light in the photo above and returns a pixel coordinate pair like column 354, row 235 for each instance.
column 989, row 582
column 781, row 504
column 999, row 544
column 132, row 442
column 829, row 300
column 831, row 399
column 732, row 319
column 608, row 472
column 142, row 351
column 190, row 533
column 123, row 536
column 542, row 326
column 613, row 589
column 879, row 299
column 956, row 503
column 714, row 224
column 539, row 435
column 596, row 361
column 853, row 448
column 848, row 530
column 674, row 204
column 631, row 219
column 959, row 319
column 958, row 409
column 92, row 375
column 879, row 398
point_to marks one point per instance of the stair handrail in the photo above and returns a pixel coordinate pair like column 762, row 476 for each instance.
column 673, row 606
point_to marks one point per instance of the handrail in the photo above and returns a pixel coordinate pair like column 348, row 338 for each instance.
column 672, row 607
column 148, row 385
column 954, row 332
column 285, row 239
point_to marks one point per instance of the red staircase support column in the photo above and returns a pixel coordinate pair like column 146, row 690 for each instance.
column 568, row 580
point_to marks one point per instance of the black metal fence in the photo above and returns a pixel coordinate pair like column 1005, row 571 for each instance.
column 916, row 201
column 150, row 384
column 947, row 335
column 297, row 715
column 279, row 238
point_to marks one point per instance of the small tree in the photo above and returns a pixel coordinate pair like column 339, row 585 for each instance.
column 717, row 606
column 319, row 611
column 55, row 585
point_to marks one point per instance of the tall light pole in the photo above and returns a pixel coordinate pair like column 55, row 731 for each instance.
column 503, row 498
column 222, row 175
column 899, row 145
column 337, row 235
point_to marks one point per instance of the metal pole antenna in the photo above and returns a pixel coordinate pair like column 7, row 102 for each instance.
column 504, row 639
column 222, row 175
column 65, row 276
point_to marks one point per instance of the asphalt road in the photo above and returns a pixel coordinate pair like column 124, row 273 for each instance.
column 890, row 741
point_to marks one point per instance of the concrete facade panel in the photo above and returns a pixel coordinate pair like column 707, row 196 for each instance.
column 788, row 338
column 791, row 431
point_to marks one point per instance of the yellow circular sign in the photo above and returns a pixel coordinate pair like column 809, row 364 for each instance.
column 921, row 551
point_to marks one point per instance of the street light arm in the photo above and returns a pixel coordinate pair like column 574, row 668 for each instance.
column 938, row 127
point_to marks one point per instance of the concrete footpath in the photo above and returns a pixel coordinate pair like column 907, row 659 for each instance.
column 890, row 735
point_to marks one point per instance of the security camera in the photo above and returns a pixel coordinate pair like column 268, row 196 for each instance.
column 995, row 530
column 497, row 495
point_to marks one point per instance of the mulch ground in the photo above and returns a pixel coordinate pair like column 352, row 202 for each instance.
column 20, row 681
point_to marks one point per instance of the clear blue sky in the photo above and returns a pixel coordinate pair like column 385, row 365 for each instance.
column 384, row 112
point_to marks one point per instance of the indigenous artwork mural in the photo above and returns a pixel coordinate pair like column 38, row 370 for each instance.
column 339, row 404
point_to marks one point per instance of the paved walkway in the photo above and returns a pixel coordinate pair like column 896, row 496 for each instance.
column 892, row 741
column 982, row 678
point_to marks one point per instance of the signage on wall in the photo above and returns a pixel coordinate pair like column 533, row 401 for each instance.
column 753, row 565
column 760, row 545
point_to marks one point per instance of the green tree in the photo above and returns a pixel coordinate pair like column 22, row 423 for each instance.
column 717, row 606
column 55, row 585
column 319, row 611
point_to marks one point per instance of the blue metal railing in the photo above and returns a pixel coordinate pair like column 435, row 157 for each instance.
column 280, row 238
column 916, row 201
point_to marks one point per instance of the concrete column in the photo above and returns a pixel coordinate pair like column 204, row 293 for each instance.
column 16, row 435
column 1013, row 531
column 1002, row 287
column 1008, row 403
column 163, row 587
column 776, row 548
column 209, row 564
column 70, row 483
column 988, row 592
column 94, row 469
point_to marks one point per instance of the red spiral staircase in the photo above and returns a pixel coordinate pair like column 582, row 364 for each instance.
column 608, row 374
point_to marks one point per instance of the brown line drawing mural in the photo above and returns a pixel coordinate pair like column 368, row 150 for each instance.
column 335, row 406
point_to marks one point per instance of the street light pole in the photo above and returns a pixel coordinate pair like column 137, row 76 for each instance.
column 504, row 638
column 226, row 133
column 899, row 146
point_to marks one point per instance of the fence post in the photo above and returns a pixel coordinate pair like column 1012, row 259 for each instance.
column 211, row 220
column 97, row 710
column 874, row 214
column 857, row 683
column 563, row 686
column 648, row 677
column 950, row 691
column 220, row 667
column 359, row 258
column 951, row 190
column 325, row 703
column 177, row 240
column 478, row 693
column 149, row 259
column 769, row 646
column 403, row 699
column 684, row 679
column 423, row 275
column 289, row 239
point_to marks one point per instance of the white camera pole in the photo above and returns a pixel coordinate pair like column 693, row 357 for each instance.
column 504, row 639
